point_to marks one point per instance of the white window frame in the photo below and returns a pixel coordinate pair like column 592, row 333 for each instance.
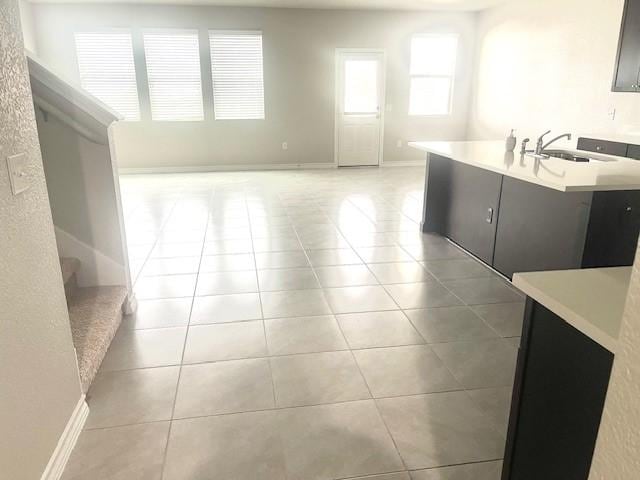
column 451, row 77
column 211, row 32
column 173, row 31
column 106, row 31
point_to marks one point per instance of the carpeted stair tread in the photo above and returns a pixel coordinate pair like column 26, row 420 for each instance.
column 95, row 314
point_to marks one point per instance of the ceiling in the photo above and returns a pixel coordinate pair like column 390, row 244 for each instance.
column 326, row 4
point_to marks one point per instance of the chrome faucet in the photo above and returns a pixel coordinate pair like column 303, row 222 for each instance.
column 541, row 147
column 540, row 142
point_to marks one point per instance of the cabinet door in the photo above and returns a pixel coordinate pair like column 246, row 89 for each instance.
column 613, row 229
column 540, row 228
column 473, row 201
column 559, row 393
column 627, row 75
column 603, row 146
column 634, row 152
column 437, row 193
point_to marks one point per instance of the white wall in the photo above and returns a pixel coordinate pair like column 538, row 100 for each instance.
column 549, row 64
column 616, row 456
column 299, row 48
column 28, row 28
column 39, row 385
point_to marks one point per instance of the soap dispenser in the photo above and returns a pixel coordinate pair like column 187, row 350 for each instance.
column 511, row 141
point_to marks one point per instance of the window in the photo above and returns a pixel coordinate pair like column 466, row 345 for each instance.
column 107, row 71
column 361, row 86
column 433, row 64
column 173, row 72
column 236, row 69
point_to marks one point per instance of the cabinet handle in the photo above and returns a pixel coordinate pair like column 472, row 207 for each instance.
column 489, row 218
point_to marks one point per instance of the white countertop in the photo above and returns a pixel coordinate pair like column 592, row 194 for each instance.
column 591, row 300
column 617, row 173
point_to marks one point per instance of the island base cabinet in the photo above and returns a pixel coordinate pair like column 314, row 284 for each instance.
column 540, row 228
column 517, row 226
column 613, row 229
column 558, row 397
column 461, row 203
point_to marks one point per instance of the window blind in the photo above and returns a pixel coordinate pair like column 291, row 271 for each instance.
column 107, row 70
column 237, row 74
column 173, row 72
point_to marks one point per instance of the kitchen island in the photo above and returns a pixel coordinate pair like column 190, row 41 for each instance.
column 518, row 213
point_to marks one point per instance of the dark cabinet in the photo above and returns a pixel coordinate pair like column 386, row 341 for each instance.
column 540, row 228
column 613, row 229
column 559, row 392
column 472, row 219
column 627, row 73
column 634, row 152
column 461, row 203
column 516, row 226
column 603, row 146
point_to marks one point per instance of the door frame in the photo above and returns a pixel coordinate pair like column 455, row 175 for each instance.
column 383, row 104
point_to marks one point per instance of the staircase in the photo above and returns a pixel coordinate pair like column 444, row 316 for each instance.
column 95, row 314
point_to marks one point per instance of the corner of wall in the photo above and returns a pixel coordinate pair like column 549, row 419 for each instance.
column 27, row 20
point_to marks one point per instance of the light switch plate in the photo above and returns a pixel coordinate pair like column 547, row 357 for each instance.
column 18, row 173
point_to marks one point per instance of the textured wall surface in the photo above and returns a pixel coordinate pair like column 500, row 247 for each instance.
column 299, row 79
column 617, row 455
column 544, row 64
column 39, row 386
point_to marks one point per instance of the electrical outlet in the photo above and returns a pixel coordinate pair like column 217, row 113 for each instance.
column 285, row 146
column 399, row 144
column 18, row 174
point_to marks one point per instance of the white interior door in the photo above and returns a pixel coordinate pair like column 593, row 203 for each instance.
column 359, row 112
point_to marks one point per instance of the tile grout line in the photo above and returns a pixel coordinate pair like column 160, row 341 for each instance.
column 264, row 326
column 355, row 361
column 184, row 345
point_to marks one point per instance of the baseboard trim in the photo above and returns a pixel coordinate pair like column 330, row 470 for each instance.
column 67, row 442
column 130, row 305
column 406, row 163
column 226, row 168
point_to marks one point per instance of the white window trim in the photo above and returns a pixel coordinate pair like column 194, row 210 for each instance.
column 452, row 77
column 170, row 31
column 236, row 32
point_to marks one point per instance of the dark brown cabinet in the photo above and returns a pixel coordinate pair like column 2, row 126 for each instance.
column 475, row 194
column 559, row 392
column 613, row 229
column 627, row 73
column 540, row 228
column 466, row 201
column 516, row 226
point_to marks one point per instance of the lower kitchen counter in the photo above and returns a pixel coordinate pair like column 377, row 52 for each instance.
column 569, row 340
column 591, row 300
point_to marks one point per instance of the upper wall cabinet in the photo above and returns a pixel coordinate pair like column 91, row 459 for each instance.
column 627, row 74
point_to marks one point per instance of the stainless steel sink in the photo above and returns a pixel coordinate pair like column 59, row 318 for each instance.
column 567, row 155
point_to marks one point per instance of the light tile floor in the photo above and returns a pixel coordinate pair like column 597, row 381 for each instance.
column 297, row 325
